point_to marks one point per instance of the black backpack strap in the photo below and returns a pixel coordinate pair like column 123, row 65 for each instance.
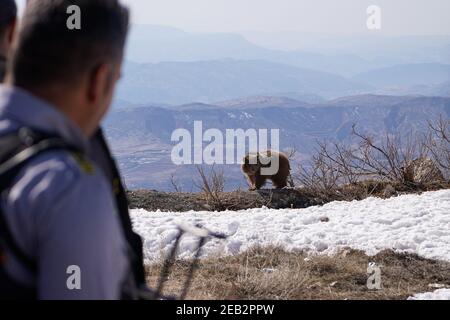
column 2, row 68
column 20, row 148
column 133, row 239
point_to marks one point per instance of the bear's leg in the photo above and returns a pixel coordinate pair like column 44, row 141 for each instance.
column 251, row 182
column 279, row 182
column 260, row 182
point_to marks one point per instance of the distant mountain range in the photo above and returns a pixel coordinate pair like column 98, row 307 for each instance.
column 407, row 75
column 432, row 90
column 141, row 136
column 343, row 55
column 170, row 66
column 209, row 81
column 217, row 80
column 153, row 44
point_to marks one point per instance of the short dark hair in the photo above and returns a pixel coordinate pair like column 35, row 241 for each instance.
column 48, row 52
column 8, row 14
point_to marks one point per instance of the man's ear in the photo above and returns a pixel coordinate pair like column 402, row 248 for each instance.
column 11, row 31
column 99, row 82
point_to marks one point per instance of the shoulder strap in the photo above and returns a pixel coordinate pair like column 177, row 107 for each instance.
column 133, row 239
column 22, row 147
column 2, row 68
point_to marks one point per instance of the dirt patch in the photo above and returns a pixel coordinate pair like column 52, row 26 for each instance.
column 238, row 200
column 272, row 273
column 272, row 198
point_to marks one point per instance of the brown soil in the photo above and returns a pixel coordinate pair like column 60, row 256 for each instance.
column 276, row 199
column 272, row 273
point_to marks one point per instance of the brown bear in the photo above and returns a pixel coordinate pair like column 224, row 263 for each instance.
column 258, row 167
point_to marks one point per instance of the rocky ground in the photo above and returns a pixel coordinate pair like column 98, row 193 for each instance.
column 295, row 198
column 238, row 200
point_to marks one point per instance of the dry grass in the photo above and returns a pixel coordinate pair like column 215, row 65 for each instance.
column 152, row 200
column 272, row 273
column 372, row 188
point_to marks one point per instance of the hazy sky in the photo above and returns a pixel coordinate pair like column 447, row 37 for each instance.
column 399, row 17
column 322, row 16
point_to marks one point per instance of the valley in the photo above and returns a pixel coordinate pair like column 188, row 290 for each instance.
column 141, row 136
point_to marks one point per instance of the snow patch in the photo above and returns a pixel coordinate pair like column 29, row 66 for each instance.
column 410, row 223
column 440, row 294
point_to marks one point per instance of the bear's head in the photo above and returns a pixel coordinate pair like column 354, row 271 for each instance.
column 251, row 164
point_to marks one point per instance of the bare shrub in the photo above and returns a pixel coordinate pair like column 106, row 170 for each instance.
column 438, row 144
column 212, row 184
column 290, row 154
column 176, row 185
column 320, row 175
column 388, row 159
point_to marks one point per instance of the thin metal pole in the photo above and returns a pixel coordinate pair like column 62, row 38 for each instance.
column 167, row 265
column 194, row 264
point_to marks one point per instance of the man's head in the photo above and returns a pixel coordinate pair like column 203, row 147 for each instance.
column 8, row 13
column 75, row 69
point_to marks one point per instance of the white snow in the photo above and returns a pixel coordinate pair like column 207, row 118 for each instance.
column 440, row 294
column 412, row 223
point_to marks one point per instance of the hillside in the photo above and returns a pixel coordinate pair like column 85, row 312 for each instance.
column 210, row 81
column 216, row 80
column 406, row 75
column 142, row 136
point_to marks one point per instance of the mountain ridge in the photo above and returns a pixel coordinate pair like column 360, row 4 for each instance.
column 216, row 80
column 142, row 135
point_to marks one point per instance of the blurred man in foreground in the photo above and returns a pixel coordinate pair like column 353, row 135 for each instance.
column 8, row 13
column 63, row 232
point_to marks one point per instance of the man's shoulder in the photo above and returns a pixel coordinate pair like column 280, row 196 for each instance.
column 63, row 164
column 57, row 176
